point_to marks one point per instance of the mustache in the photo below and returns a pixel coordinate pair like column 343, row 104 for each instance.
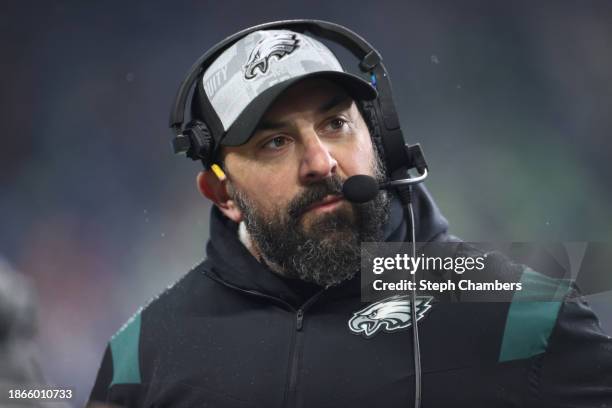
column 314, row 193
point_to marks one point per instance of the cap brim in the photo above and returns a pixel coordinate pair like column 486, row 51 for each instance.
column 246, row 123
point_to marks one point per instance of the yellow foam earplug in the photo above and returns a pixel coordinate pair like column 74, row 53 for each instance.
column 218, row 172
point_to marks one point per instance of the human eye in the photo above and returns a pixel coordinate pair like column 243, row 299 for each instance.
column 337, row 124
column 276, row 143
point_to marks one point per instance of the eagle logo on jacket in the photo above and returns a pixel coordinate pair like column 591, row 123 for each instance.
column 389, row 315
column 278, row 45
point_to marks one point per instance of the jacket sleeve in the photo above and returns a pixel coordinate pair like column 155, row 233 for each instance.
column 576, row 369
column 119, row 381
column 99, row 393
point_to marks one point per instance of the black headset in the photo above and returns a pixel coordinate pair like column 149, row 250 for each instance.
column 197, row 138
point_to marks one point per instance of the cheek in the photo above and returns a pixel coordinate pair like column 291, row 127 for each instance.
column 358, row 159
column 261, row 185
column 268, row 191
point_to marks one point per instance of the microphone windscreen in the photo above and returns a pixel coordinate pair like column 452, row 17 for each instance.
column 360, row 188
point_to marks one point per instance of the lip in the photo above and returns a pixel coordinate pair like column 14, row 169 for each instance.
column 328, row 203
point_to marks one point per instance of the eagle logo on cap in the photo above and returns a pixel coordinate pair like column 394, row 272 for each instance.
column 389, row 315
column 278, row 45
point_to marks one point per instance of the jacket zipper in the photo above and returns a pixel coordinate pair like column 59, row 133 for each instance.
column 296, row 343
column 291, row 397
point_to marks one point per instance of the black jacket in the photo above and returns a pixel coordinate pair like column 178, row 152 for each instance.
column 231, row 333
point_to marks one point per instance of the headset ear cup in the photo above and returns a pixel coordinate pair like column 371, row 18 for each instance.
column 202, row 144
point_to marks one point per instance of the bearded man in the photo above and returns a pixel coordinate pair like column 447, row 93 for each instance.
column 273, row 316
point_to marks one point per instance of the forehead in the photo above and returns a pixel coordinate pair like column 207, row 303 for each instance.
column 305, row 96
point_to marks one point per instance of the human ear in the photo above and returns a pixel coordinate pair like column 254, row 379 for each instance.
column 214, row 187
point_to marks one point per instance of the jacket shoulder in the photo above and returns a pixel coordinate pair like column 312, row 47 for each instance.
column 121, row 378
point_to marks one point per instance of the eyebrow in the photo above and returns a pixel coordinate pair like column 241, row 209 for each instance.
column 332, row 103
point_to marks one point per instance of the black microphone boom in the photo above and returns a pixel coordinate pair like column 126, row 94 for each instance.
column 361, row 188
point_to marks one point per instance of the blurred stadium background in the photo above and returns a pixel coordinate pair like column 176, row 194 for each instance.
column 510, row 100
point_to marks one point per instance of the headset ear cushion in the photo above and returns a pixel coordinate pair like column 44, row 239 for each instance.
column 202, row 141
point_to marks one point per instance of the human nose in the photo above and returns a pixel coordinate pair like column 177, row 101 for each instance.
column 317, row 161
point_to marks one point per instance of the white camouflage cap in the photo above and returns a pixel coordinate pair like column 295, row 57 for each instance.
column 246, row 78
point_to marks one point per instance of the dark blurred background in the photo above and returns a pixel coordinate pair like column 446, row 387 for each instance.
column 510, row 100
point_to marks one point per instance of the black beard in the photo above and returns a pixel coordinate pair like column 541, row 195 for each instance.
column 326, row 253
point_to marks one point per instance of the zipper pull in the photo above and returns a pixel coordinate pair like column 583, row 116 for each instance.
column 299, row 319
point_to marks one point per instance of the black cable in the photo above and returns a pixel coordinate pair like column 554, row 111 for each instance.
column 415, row 328
column 405, row 195
column 362, row 188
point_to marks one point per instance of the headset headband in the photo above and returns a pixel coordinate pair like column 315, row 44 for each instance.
column 370, row 61
column 334, row 32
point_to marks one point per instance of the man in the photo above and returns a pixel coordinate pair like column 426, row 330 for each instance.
column 268, row 319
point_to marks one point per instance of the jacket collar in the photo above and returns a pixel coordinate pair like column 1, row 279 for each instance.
column 230, row 261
